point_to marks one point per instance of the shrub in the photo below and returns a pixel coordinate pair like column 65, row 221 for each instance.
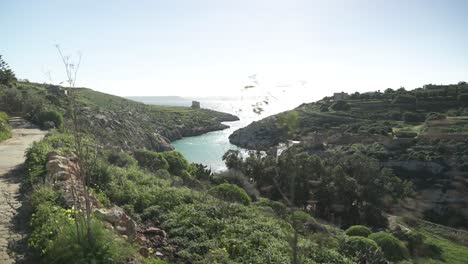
column 324, row 255
column 404, row 99
column 3, row 116
column 463, row 98
column 231, row 193
column 340, row 105
column 395, row 115
column 101, row 175
column 200, row 171
column 363, row 250
column 411, row 117
column 435, row 116
column 301, row 220
column 278, row 207
column 406, row 134
column 358, row 230
column 151, row 160
column 431, row 250
column 36, row 159
column 121, row 159
column 393, row 249
column 5, row 131
column 43, row 194
column 177, row 162
column 50, row 116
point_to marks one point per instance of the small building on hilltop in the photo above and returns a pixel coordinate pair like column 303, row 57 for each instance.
column 340, row 96
column 195, row 105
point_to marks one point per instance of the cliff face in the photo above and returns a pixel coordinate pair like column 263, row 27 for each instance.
column 425, row 141
column 149, row 129
column 122, row 123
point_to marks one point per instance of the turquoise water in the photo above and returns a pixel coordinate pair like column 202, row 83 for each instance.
column 209, row 148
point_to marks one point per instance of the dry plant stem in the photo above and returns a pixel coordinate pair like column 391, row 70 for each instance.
column 71, row 72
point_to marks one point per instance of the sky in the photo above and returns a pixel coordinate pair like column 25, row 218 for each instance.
column 213, row 47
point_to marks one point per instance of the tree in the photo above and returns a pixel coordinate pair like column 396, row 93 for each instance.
column 7, row 76
column 233, row 159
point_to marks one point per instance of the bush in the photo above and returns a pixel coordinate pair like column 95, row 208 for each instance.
column 3, row 116
column 278, row 207
column 431, row 250
column 151, row 160
column 404, row 99
column 50, row 116
column 121, row 159
column 363, row 250
column 5, row 131
column 406, row 134
column 340, row 105
column 231, row 193
column 177, row 162
column 463, row 98
column 435, row 116
column 411, row 117
column 393, row 249
column 301, row 221
column 395, row 116
column 358, row 230
column 56, row 238
column 43, row 194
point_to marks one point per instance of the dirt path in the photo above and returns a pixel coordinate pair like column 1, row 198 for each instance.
column 11, row 158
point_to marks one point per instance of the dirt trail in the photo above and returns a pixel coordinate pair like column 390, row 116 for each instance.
column 11, row 159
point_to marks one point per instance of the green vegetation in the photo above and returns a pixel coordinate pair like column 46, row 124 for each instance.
column 150, row 160
column 54, row 117
column 393, row 249
column 267, row 208
column 436, row 244
column 5, row 130
column 352, row 192
column 230, row 193
column 364, row 250
column 358, row 230
column 419, row 134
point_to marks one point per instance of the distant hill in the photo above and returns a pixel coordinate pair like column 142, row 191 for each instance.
column 421, row 134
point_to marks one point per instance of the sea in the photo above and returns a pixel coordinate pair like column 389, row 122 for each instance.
column 209, row 148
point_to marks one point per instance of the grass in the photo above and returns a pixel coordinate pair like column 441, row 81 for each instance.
column 454, row 244
column 402, row 126
column 452, row 252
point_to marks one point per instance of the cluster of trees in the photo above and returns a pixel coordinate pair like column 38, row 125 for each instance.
column 451, row 92
column 342, row 188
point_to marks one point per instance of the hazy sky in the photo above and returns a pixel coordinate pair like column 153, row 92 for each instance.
column 203, row 47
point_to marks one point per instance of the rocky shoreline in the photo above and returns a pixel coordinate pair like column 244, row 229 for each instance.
column 146, row 129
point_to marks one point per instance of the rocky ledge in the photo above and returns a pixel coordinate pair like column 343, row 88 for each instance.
column 260, row 135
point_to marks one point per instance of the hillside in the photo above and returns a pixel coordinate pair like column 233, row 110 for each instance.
column 115, row 122
column 422, row 135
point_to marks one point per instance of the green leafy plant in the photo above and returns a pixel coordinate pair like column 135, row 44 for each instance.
column 358, row 230
column 231, row 193
column 151, row 160
column 392, row 248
